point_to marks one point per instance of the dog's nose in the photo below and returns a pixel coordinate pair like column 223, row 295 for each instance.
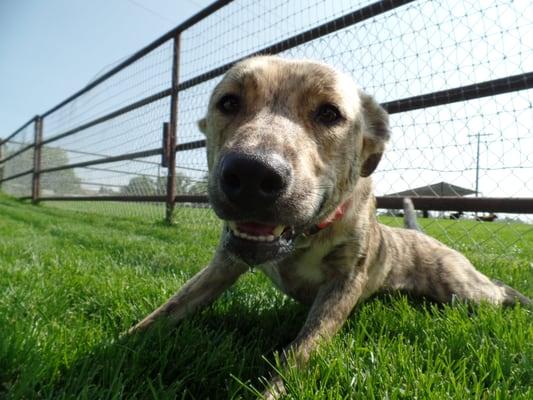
column 251, row 181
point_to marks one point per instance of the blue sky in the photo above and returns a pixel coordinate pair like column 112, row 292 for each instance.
column 50, row 49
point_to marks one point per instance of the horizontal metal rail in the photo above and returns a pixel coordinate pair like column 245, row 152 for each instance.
column 191, row 198
column 515, row 205
column 120, row 198
column 106, row 160
column 198, row 144
column 20, row 174
column 86, row 153
column 472, row 204
column 206, row 12
column 142, row 52
column 18, row 131
column 16, row 153
column 349, row 19
column 111, row 115
column 463, row 93
column 153, row 199
column 120, row 171
column 122, row 157
column 86, row 183
column 480, row 204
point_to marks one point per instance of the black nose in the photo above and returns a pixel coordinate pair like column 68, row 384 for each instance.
column 251, row 181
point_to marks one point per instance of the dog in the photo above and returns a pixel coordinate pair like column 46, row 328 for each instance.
column 456, row 215
column 487, row 218
column 291, row 146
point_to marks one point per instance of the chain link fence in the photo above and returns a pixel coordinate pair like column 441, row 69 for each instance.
column 456, row 77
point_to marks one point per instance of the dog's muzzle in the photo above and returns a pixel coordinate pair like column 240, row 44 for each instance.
column 250, row 191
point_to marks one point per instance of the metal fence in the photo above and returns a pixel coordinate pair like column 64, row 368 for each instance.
column 456, row 77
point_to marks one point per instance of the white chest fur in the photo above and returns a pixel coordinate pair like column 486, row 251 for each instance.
column 305, row 269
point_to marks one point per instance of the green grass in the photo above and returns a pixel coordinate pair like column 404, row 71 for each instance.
column 71, row 283
column 146, row 211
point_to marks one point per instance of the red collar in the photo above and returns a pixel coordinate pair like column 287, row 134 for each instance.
column 336, row 215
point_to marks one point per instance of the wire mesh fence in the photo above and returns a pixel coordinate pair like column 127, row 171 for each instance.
column 457, row 78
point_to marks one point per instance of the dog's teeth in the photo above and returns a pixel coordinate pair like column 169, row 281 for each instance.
column 269, row 238
column 278, row 230
column 239, row 234
column 232, row 225
column 256, row 238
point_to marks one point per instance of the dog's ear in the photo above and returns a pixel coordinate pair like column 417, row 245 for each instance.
column 202, row 125
column 376, row 133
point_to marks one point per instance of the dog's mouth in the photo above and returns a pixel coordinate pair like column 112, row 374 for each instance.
column 259, row 232
column 256, row 242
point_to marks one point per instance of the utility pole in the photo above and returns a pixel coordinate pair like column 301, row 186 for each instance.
column 478, row 135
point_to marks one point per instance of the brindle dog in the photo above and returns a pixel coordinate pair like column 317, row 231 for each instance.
column 291, row 145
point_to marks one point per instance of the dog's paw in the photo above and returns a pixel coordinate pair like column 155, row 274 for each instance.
column 275, row 389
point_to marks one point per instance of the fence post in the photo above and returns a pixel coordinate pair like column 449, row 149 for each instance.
column 172, row 131
column 165, row 146
column 36, row 177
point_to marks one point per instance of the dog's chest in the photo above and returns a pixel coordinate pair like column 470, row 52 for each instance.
column 300, row 275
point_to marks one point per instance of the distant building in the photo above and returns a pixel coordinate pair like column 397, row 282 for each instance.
column 440, row 189
column 437, row 189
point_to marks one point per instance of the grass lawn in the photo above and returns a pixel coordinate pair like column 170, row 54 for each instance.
column 71, row 283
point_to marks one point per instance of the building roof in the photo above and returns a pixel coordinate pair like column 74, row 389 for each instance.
column 437, row 189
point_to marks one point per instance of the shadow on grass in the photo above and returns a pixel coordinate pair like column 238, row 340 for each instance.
column 198, row 359
column 204, row 357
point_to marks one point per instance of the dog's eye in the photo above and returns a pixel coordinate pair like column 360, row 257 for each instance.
column 328, row 114
column 229, row 104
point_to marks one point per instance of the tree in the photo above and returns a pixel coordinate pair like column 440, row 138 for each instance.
column 183, row 184
column 199, row 186
column 59, row 182
column 140, row 185
column 106, row 191
column 23, row 162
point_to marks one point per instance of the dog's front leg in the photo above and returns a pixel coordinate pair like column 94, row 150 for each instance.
column 200, row 290
column 332, row 306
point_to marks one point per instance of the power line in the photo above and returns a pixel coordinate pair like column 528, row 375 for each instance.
column 195, row 3
column 149, row 10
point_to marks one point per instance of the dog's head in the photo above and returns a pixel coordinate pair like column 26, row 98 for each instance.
column 287, row 141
